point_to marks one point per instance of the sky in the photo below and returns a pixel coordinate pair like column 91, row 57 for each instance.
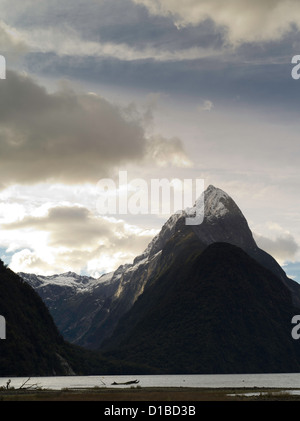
column 162, row 89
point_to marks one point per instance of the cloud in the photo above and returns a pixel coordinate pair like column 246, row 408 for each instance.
column 10, row 40
column 65, row 136
column 239, row 20
column 53, row 27
column 68, row 226
column 75, row 227
column 168, row 152
column 70, row 43
column 207, row 105
column 284, row 247
column 73, row 238
column 28, row 259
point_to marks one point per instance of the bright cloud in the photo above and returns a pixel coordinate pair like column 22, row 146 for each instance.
column 10, row 40
column 240, row 20
column 72, row 238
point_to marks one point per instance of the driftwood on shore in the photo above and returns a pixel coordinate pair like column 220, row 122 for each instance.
column 126, row 383
column 24, row 385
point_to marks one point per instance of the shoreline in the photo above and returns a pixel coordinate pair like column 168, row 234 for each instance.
column 153, row 394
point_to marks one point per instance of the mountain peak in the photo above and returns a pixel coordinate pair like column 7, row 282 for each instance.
column 70, row 274
column 215, row 192
column 217, row 203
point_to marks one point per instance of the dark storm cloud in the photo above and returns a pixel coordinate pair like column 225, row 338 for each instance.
column 120, row 21
column 136, row 44
column 63, row 136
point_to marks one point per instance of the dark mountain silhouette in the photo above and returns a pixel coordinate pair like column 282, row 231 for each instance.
column 211, row 311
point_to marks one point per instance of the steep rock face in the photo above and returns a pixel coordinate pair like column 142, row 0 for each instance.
column 131, row 284
column 223, row 221
column 211, row 311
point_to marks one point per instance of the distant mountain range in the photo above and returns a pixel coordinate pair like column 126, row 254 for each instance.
column 201, row 298
column 73, row 300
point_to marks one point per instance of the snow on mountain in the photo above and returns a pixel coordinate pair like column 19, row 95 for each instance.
column 65, row 280
column 106, row 277
column 216, row 204
column 73, row 300
column 213, row 203
column 216, row 201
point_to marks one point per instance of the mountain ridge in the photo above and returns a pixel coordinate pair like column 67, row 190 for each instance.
column 106, row 304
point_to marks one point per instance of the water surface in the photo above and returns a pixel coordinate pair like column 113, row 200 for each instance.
column 286, row 380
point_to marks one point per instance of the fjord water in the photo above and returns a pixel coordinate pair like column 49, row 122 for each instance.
column 282, row 380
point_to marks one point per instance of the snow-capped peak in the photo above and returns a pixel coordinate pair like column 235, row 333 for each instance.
column 67, row 279
column 213, row 203
column 216, row 202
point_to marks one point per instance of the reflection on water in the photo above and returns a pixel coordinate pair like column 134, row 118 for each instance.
column 286, row 380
